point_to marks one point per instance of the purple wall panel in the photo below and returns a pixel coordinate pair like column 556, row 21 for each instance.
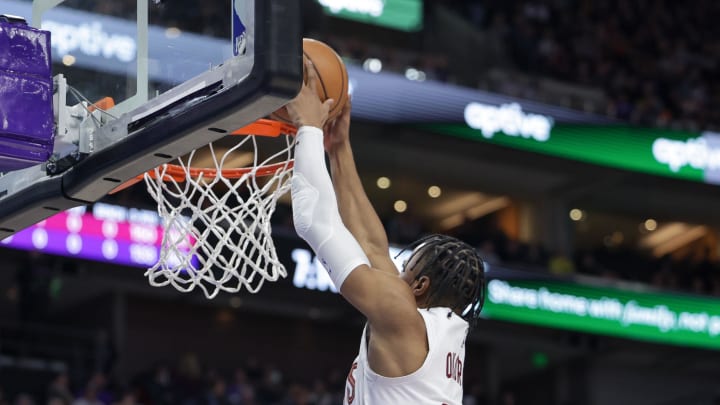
column 26, row 116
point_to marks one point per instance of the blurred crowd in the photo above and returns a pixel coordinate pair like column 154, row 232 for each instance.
column 653, row 59
column 189, row 383
column 693, row 273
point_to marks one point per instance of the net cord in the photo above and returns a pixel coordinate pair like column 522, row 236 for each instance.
column 243, row 252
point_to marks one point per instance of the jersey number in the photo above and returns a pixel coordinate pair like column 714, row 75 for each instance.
column 350, row 390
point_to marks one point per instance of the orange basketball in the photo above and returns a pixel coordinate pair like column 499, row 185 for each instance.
column 332, row 77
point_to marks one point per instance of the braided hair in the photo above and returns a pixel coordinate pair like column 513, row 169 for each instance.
column 456, row 272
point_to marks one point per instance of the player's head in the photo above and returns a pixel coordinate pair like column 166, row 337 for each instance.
column 444, row 271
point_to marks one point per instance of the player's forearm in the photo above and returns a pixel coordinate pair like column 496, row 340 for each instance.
column 356, row 210
column 315, row 212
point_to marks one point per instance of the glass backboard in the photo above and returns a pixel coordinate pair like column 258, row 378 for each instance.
column 180, row 74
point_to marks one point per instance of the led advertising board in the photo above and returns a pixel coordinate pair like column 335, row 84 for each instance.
column 677, row 154
column 649, row 316
column 106, row 233
column 658, row 317
column 404, row 15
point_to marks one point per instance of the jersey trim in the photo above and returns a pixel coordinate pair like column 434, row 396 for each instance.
column 430, row 334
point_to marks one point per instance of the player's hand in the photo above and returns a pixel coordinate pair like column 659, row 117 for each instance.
column 337, row 131
column 307, row 109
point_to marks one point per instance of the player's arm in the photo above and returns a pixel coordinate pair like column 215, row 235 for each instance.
column 356, row 211
column 383, row 298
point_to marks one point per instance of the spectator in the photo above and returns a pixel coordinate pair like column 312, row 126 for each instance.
column 127, row 398
column 715, row 288
column 488, row 253
column 298, row 395
column 189, row 381
column 320, row 394
column 561, row 265
column 240, row 391
column 89, row 397
column 159, row 388
column 270, row 389
column 664, row 277
column 218, row 393
column 24, row 399
column 60, row 389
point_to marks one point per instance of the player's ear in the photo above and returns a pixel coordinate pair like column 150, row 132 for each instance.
column 421, row 286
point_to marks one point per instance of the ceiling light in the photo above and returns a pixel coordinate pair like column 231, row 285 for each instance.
column 383, row 183
column 68, row 60
column 576, row 214
column 400, row 206
column 172, row 32
column 372, row 65
column 415, row 75
column 650, row 224
column 434, row 191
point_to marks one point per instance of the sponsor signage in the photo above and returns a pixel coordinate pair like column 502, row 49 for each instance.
column 104, row 232
column 405, row 15
column 661, row 318
column 649, row 316
column 392, row 98
column 109, row 44
column 508, row 120
column 310, row 273
column 677, row 154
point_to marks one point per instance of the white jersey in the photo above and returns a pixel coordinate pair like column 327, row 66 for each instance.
column 437, row 382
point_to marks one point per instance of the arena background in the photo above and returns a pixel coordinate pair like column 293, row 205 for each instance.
column 598, row 218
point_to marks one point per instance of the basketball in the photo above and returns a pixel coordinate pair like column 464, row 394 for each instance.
column 332, row 77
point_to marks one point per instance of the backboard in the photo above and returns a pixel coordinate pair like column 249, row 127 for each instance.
column 180, row 74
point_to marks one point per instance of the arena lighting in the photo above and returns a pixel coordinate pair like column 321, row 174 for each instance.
column 576, row 214
column 400, row 206
column 383, row 183
column 415, row 75
column 671, row 236
column 684, row 239
column 68, row 60
column 372, row 65
column 469, row 208
column 172, row 32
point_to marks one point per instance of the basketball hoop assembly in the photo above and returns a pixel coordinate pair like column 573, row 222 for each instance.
column 222, row 215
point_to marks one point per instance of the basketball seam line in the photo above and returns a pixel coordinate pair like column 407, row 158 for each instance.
column 317, row 73
column 345, row 80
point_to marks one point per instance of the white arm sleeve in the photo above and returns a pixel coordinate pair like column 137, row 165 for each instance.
column 315, row 209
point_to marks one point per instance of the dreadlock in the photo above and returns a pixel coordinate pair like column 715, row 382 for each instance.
column 456, row 272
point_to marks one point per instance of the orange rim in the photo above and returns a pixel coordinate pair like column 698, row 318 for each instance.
column 261, row 127
column 266, row 127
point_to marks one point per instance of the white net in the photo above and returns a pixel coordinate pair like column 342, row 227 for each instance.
column 217, row 229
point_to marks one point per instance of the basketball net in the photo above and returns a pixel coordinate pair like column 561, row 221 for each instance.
column 217, row 230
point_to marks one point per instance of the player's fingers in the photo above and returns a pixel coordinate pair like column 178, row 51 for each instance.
column 328, row 104
column 311, row 75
